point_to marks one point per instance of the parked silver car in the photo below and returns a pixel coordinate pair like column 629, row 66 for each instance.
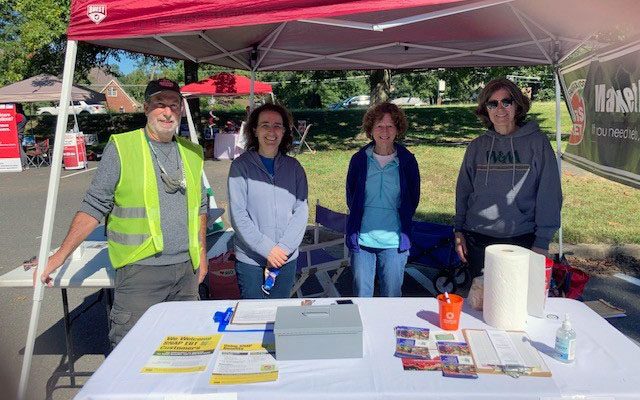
column 407, row 102
column 79, row 107
column 352, row 102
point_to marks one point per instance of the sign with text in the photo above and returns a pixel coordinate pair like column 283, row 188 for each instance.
column 9, row 143
column 603, row 96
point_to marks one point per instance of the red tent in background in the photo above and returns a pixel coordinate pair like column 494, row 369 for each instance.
column 225, row 84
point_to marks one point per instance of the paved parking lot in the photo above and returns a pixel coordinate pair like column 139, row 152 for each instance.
column 21, row 216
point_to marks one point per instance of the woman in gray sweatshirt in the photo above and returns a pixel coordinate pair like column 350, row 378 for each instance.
column 508, row 188
column 268, row 205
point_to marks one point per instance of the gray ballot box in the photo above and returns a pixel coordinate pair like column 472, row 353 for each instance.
column 315, row 332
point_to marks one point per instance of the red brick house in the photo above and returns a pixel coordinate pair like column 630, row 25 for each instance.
column 118, row 100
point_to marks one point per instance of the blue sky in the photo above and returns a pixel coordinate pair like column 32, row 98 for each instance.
column 126, row 64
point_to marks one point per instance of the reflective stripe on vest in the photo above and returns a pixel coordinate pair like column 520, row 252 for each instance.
column 127, row 239
column 129, row 212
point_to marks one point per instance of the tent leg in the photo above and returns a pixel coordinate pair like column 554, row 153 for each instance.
column 49, row 212
column 252, row 90
column 559, row 149
column 194, row 137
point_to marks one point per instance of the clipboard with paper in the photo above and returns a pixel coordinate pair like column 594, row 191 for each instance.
column 505, row 352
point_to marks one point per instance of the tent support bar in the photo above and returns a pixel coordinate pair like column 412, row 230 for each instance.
column 531, row 20
column 175, row 48
column 49, row 212
column 462, row 53
column 272, row 40
column 559, row 146
column 223, row 50
column 576, row 47
column 526, row 26
column 439, row 14
column 227, row 54
column 525, row 59
column 339, row 23
column 435, row 48
column 428, row 60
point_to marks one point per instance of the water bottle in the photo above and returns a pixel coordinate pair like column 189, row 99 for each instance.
column 270, row 275
column 566, row 342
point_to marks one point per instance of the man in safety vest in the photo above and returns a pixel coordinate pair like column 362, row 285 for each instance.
column 149, row 183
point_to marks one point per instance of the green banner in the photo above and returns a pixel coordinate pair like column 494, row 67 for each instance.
column 603, row 96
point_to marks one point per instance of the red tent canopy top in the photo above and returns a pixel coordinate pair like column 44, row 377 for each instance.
column 225, row 84
column 294, row 35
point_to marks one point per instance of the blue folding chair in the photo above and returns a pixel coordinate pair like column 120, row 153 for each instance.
column 325, row 260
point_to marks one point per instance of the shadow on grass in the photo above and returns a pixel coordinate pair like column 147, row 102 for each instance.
column 341, row 129
column 441, row 218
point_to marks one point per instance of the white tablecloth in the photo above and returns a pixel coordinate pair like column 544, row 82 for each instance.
column 607, row 363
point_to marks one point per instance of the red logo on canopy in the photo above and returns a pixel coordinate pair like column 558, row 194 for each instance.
column 97, row 12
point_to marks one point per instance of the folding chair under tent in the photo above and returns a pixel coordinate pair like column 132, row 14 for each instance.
column 327, row 35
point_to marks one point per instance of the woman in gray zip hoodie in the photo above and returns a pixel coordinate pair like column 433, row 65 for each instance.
column 508, row 188
column 268, row 205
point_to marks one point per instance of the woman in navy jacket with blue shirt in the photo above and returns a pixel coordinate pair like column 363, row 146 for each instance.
column 383, row 191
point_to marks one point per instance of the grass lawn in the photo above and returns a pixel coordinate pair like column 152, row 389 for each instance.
column 595, row 210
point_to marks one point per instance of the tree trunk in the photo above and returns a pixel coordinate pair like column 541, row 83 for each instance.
column 190, row 76
column 380, row 85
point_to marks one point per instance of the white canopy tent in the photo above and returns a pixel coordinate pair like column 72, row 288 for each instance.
column 329, row 35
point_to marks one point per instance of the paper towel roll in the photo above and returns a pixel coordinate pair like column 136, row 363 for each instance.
column 506, row 279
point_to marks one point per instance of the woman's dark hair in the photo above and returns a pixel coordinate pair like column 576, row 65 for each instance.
column 377, row 112
column 521, row 101
column 252, row 125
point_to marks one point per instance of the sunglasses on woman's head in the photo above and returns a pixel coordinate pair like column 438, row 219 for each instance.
column 493, row 104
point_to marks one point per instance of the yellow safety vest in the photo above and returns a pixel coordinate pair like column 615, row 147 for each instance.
column 134, row 229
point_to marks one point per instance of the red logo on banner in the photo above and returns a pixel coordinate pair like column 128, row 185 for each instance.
column 576, row 102
column 577, row 131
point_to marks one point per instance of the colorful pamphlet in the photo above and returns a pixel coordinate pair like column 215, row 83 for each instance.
column 182, row 354
column 456, row 360
column 244, row 363
column 412, row 342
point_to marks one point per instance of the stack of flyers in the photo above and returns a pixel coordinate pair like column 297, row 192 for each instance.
column 456, row 360
column 412, row 342
column 413, row 346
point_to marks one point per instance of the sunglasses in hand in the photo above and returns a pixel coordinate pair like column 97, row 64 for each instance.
column 493, row 104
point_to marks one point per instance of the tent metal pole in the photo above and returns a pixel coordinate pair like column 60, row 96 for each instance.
column 49, row 212
column 252, row 90
column 559, row 147
column 194, row 137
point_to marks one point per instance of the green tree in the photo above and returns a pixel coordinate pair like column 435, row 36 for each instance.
column 33, row 41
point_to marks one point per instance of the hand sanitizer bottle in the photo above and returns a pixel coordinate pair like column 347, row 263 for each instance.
column 566, row 342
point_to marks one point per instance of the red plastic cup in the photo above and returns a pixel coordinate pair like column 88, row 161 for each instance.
column 450, row 312
column 548, row 270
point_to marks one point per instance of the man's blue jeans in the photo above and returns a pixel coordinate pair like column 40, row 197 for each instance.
column 251, row 277
column 387, row 263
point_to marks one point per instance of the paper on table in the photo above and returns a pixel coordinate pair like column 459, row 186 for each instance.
column 486, row 356
column 505, row 349
column 182, row 354
column 259, row 311
column 244, row 363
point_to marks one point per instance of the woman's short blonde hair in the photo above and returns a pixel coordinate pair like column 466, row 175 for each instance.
column 377, row 112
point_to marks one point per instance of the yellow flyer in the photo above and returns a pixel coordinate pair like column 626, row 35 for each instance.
column 244, row 363
column 182, row 354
